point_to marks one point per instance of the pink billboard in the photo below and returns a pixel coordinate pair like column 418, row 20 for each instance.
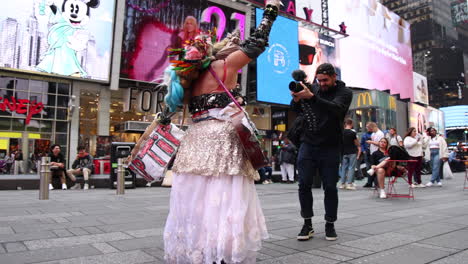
column 377, row 54
column 153, row 27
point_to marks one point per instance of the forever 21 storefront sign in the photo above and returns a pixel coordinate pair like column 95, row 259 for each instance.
column 147, row 100
column 21, row 106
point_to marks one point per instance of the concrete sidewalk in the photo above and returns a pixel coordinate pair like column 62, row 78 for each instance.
column 96, row 226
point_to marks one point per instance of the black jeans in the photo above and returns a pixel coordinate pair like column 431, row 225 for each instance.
column 325, row 160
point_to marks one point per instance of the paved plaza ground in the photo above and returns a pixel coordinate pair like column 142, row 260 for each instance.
column 96, row 226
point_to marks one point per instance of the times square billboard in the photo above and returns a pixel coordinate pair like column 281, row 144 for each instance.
column 284, row 55
column 377, row 53
column 70, row 38
column 153, row 26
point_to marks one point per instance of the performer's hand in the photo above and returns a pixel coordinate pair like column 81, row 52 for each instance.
column 304, row 94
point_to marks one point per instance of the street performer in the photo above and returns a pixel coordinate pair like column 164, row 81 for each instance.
column 215, row 214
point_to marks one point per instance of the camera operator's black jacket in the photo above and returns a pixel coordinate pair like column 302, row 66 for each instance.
column 324, row 114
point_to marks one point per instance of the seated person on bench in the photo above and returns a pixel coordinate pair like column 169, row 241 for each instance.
column 57, row 166
column 83, row 165
column 383, row 167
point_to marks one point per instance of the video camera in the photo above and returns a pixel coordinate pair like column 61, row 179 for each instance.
column 299, row 76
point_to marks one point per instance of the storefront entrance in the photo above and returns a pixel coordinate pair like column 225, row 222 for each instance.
column 34, row 114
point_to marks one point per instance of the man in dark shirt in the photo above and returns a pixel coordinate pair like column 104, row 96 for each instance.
column 351, row 152
column 323, row 107
column 83, row 165
column 57, row 166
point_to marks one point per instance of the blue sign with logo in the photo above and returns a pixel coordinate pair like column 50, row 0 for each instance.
column 280, row 59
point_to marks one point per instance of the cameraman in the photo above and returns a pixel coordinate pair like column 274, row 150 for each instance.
column 324, row 107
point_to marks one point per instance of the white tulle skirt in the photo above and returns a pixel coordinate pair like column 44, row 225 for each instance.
column 213, row 219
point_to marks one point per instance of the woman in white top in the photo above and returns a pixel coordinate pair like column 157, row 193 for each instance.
column 413, row 143
column 393, row 138
column 439, row 153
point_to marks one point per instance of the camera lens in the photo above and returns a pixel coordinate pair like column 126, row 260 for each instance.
column 292, row 86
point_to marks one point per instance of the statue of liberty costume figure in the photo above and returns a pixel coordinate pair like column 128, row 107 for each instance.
column 66, row 37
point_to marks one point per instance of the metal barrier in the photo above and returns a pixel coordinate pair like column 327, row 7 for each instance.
column 44, row 174
column 120, row 176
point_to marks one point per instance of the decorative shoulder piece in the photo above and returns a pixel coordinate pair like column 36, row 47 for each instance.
column 258, row 40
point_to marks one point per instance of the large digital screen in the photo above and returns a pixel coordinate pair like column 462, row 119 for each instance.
column 459, row 12
column 421, row 94
column 280, row 59
column 377, row 54
column 418, row 118
column 66, row 37
column 422, row 118
column 315, row 49
column 152, row 27
column 456, row 116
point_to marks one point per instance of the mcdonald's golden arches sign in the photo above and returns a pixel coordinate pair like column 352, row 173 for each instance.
column 364, row 99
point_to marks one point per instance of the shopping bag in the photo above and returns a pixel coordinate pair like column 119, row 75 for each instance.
column 448, row 175
column 153, row 154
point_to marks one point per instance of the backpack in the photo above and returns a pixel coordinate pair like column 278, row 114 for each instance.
column 398, row 153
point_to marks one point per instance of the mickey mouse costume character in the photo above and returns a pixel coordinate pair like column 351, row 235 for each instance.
column 215, row 214
column 66, row 37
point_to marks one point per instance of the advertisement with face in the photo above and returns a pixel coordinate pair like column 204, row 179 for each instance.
column 280, row 59
column 418, row 117
column 66, row 37
column 153, row 27
column 420, row 88
column 377, row 54
column 315, row 49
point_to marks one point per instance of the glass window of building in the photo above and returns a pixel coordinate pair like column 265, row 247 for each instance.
column 31, row 117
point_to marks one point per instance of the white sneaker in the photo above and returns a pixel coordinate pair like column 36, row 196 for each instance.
column 342, row 186
column 370, row 172
column 421, row 185
column 429, row 184
column 270, row 181
column 265, row 182
column 382, row 195
column 86, row 186
column 350, row 187
column 413, row 186
column 51, row 187
column 439, row 184
column 64, row 186
column 77, row 186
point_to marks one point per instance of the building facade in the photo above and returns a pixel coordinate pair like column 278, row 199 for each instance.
column 440, row 47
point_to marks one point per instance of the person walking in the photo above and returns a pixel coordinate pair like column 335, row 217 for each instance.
column 365, row 155
column 351, row 152
column 413, row 143
column 439, row 154
column 325, row 105
column 287, row 159
column 267, row 170
column 376, row 136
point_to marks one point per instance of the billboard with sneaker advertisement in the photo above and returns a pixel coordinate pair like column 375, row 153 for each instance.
column 377, row 54
column 71, row 38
